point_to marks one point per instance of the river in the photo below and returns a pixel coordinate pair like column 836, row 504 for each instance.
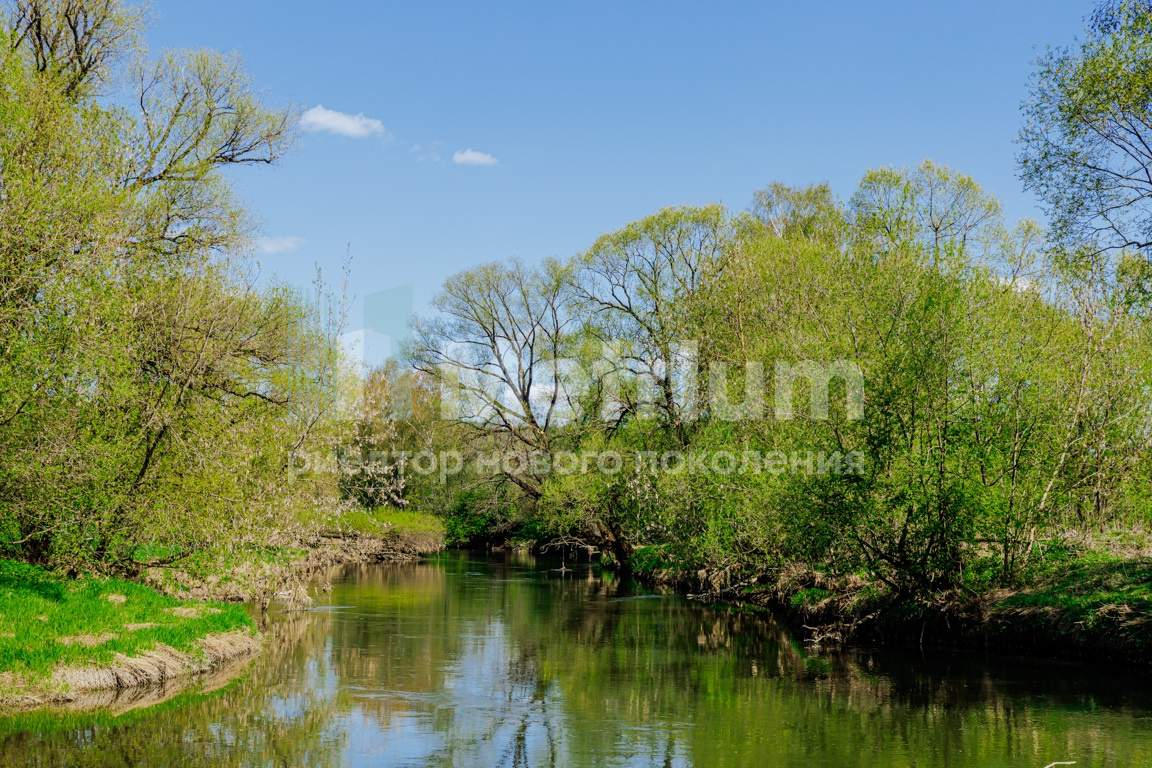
column 492, row 661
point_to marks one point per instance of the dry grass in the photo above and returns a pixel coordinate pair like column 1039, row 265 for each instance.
column 157, row 666
column 88, row 641
column 193, row 611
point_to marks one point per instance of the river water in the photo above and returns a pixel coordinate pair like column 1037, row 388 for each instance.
column 471, row 661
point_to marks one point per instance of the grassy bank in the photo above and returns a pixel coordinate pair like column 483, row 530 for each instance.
column 51, row 627
column 61, row 636
column 417, row 529
column 1096, row 605
column 260, row 571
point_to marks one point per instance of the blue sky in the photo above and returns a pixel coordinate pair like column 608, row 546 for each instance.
column 599, row 113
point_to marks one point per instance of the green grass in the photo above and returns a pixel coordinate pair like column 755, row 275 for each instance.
column 809, row 596
column 1091, row 582
column 42, row 616
column 384, row 520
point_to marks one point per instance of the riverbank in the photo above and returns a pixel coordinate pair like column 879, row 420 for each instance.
column 64, row 639
column 1091, row 607
column 407, row 664
column 263, row 572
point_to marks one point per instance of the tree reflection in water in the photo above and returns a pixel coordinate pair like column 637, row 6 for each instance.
column 472, row 662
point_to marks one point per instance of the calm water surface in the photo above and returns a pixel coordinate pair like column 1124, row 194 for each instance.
column 464, row 661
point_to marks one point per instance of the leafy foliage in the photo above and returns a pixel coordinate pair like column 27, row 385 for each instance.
column 1004, row 397
column 150, row 394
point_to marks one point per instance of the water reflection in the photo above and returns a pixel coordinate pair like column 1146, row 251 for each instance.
column 468, row 662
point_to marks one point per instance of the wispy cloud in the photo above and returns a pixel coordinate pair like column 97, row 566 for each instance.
column 472, row 157
column 320, row 119
column 429, row 153
column 278, row 244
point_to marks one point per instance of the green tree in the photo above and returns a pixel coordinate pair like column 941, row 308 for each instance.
column 149, row 393
column 1088, row 126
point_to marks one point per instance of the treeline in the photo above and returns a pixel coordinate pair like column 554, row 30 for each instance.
column 1004, row 385
column 1005, row 369
column 153, row 398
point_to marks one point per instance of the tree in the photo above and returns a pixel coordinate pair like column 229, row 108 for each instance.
column 197, row 114
column 638, row 285
column 945, row 213
column 497, row 350
column 811, row 213
column 1086, row 144
column 149, row 393
column 77, row 41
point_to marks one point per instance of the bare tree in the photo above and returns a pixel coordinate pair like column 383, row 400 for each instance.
column 75, row 39
column 638, row 284
column 497, row 345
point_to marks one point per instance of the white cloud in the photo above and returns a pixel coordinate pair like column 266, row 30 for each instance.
column 278, row 244
column 472, row 157
column 323, row 120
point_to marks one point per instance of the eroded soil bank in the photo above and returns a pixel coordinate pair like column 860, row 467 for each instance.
column 91, row 642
